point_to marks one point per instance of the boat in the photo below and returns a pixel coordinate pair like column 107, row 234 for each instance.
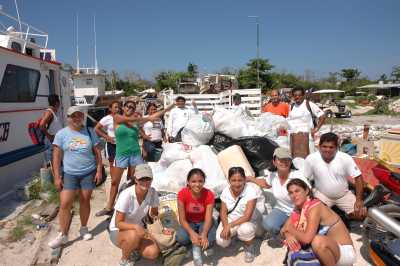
column 29, row 72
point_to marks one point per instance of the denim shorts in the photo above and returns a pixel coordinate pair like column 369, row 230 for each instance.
column 126, row 161
column 74, row 182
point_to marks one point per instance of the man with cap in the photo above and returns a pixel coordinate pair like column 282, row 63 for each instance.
column 133, row 204
column 79, row 149
column 276, row 179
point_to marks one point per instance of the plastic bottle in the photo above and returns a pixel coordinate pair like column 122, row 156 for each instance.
column 197, row 259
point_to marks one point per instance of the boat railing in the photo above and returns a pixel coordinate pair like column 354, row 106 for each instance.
column 26, row 31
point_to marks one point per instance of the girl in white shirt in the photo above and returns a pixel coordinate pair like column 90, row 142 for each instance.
column 133, row 204
column 241, row 206
column 280, row 174
column 154, row 135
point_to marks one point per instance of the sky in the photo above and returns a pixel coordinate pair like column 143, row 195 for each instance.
column 149, row 36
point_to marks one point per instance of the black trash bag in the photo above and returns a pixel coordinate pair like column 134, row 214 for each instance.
column 258, row 150
column 220, row 142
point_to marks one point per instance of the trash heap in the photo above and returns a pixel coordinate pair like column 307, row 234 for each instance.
column 214, row 143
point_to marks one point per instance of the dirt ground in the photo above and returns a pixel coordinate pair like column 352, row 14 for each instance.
column 359, row 120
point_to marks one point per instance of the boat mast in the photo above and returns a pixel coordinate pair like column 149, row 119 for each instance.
column 77, row 45
column 96, row 69
column 19, row 20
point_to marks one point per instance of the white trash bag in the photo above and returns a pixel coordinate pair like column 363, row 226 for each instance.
column 228, row 123
column 173, row 152
column 204, row 158
column 198, row 130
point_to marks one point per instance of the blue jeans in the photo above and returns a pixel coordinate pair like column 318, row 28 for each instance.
column 48, row 153
column 274, row 221
column 183, row 238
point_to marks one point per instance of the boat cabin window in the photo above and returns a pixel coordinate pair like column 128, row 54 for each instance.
column 45, row 56
column 19, row 84
column 89, row 81
column 29, row 51
column 16, row 47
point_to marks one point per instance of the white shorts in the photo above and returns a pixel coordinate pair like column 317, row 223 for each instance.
column 345, row 203
column 347, row 255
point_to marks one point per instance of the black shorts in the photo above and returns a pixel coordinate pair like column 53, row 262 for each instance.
column 110, row 151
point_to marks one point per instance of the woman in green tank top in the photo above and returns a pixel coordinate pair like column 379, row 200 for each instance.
column 126, row 127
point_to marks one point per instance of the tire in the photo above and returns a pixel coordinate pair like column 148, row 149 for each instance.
column 371, row 230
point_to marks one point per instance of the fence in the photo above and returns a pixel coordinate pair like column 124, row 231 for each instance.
column 251, row 98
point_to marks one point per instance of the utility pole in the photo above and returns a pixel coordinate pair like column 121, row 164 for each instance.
column 258, row 49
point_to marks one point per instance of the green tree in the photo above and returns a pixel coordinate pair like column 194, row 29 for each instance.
column 395, row 73
column 247, row 76
column 168, row 79
column 383, row 77
column 350, row 74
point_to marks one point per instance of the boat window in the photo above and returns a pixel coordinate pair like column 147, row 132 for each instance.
column 19, row 84
column 16, row 47
column 52, row 85
column 89, row 81
column 29, row 51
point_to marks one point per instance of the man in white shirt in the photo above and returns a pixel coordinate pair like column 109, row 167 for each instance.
column 178, row 118
column 303, row 112
column 330, row 169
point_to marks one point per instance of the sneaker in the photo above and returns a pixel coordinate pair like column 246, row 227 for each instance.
column 84, row 232
column 60, row 240
column 126, row 263
column 249, row 254
column 103, row 212
column 209, row 252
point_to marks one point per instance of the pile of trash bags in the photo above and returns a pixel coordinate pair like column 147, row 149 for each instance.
column 214, row 143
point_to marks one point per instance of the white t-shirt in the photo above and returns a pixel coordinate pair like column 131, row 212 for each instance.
column 128, row 204
column 331, row 178
column 280, row 192
column 154, row 129
column 251, row 191
column 108, row 124
column 177, row 119
column 300, row 119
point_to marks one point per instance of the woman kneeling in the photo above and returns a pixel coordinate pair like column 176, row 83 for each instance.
column 239, row 215
column 314, row 223
column 133, row 204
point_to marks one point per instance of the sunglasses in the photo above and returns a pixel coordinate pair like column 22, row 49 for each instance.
column 130, row 106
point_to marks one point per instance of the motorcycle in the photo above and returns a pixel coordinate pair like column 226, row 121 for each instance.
column 381, row 228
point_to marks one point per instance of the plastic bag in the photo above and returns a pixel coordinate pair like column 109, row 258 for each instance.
column 173, row 152
column 204, row 158
column 176, row 175
column 258, row 150
column 228, row 123
column 198, row 130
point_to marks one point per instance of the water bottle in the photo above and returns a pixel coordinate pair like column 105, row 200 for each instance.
column 197, row 259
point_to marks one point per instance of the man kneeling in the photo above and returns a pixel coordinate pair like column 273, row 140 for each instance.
column 133, row 204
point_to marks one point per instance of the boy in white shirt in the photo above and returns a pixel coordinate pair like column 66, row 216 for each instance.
column 330, row 169
column 302, row 114
column 178, row 117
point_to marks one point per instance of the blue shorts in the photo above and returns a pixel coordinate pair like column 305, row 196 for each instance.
column 74, row 182
column 126, row 161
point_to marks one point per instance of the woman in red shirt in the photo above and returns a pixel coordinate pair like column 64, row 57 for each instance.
column 195, row 207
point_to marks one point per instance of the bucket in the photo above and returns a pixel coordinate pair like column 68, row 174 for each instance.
column 46, row 176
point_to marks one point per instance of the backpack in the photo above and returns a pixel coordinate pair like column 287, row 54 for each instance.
column 35, row 132
column 313, row 116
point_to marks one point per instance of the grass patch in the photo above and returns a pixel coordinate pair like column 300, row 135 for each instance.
column 17, row 233
column 54, row 195
column 34, row 188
